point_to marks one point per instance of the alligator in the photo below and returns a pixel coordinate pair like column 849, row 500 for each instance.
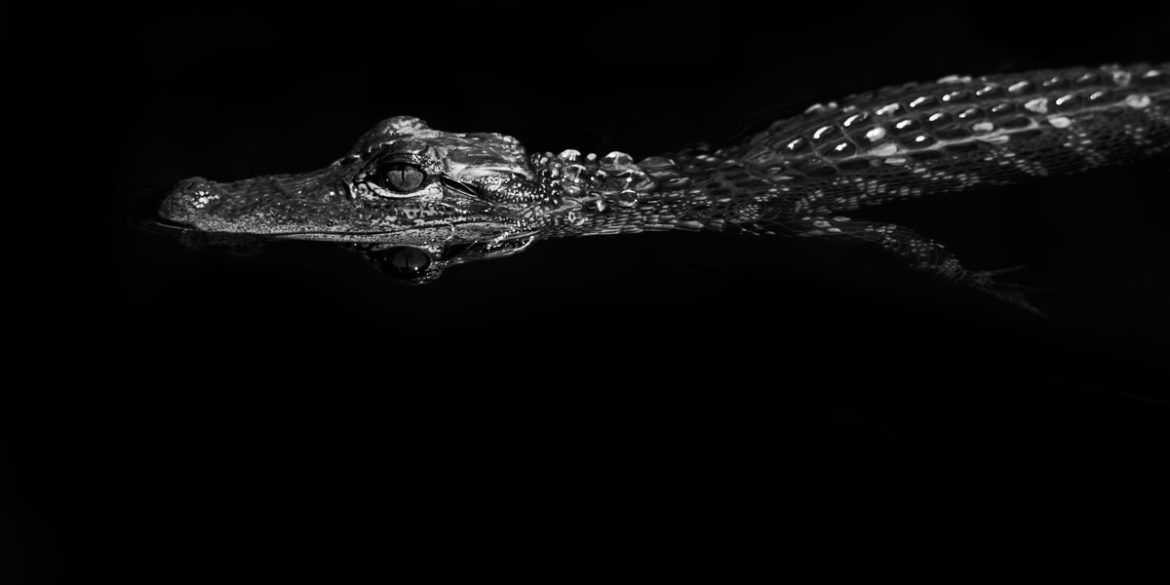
column 417, row 200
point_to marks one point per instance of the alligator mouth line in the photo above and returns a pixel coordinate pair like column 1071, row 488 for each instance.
column 152, row 222
column 146, row 217
column 159, row 225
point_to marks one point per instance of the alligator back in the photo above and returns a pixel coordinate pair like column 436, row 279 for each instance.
column 957, row 132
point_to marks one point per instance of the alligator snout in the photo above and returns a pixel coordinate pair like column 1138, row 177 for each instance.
column 190, row 199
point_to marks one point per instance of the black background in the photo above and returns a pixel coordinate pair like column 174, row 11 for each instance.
column 676, row 402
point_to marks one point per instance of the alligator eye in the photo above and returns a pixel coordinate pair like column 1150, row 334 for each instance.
column 401, row 177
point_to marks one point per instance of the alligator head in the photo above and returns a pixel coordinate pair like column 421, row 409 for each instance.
column 413, row 198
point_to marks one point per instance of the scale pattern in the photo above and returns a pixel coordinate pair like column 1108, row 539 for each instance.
column 800, row 175
column 960, row 132
column 897, row 143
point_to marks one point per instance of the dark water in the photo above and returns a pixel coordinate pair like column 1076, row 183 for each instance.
column 676, row 402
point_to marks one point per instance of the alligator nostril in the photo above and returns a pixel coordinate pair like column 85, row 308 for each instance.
column 190, row 198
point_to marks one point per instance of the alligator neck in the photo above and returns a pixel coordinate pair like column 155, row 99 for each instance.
column 611, row 194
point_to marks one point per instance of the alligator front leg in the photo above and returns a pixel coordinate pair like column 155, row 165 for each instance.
column 919, row 252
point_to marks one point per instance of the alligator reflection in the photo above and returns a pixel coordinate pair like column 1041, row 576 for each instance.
column 404, row 264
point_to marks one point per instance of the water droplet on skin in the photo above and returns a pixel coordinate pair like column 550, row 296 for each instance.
column 1098, row 97
column 970, row 114
column 907, row 125
column 820, row 107
column 656, row 163
column 796, row 145
column 1066, row 102
column 919, row 141
column 855, row 119
column 939, row 119
column 1038, row 105
column 1088, row 78
column 616, row 159
column 627, row 198
column 922, row 102
column 955, row 79
column 1060, row 121
column 1053, row 82
column 988, row 91
column 1001, row 110
column 876, row 134
column 824, row 133
column 955, row 97
column 1137, row 100
column 842, row 149
column 1020, row 86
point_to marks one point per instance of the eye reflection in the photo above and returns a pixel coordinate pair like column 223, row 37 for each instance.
column 406, row 262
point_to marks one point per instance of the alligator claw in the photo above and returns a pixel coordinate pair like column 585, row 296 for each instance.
column 984, row 280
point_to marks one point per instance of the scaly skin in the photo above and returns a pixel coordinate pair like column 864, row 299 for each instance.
column 419, row 200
